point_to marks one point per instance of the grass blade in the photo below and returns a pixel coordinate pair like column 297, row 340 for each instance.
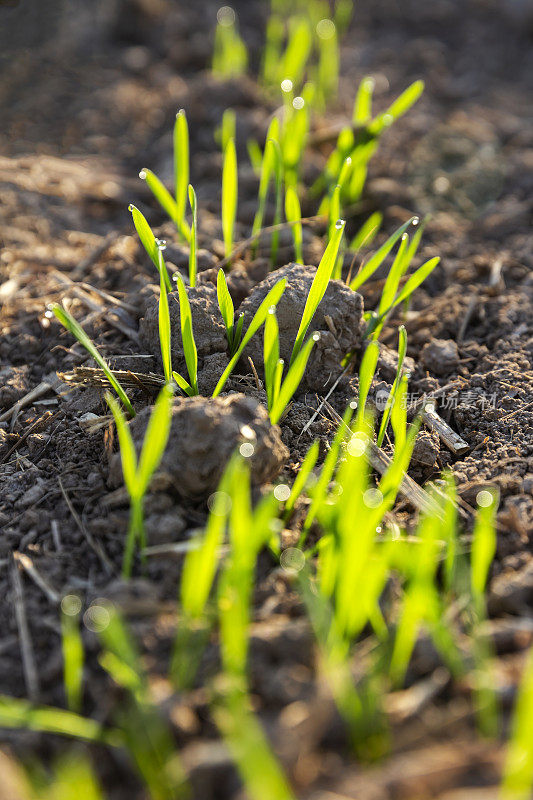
column 187, row 335
column 161, row 193
column 379, row 256
column 164, row 322
column 76, row 330
column 319, row 286
column 271, row 354
column 293, row 214
column 181, row 171
column 272, row 299
column 366, row 376
column 293, row 379
column 402, row 349
column 225, row 304
column 155, row 439
column 17, row 713
column 229, row 195
column 367, row 232
column 73, row 654
column 193, row 258
column 362, row 110
column 148, row 240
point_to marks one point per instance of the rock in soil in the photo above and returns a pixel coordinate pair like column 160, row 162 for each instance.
column 204, row 433
column 338, row 319
column 440, row 356
column 208, row 326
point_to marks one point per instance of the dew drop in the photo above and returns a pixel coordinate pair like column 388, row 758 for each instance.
column 372, row 498
column 272, row 310
column 96, row 618
column 226, row 16
column 131, row 207
column 353, row 405
column 48, row 314
column 219, row 503
column 246, row 449
column 316, row 336
column 282, row 492
column 357, row 445
column 71, row 605
column 298, row 103
column 286, row 85
column 484, row 498
column 415, row 221
column 404, row 237
column 142, row 174
column 325, row 28
column 388, row 119
column 340, row 224
column 292, row 560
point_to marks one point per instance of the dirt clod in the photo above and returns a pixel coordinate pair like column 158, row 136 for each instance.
column 204, row 434
column 338, row 319
column 208, row 327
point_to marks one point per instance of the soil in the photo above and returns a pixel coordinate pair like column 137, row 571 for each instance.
column 89, row 93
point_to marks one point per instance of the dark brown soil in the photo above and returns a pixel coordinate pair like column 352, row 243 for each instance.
column 88, row 98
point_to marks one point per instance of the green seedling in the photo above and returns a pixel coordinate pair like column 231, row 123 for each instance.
column 174, row 206
column 393, row 396
column 267, row 167
column 16, row 713
column 181, row 171
column 198, row 576
column 229, row 196
column 190, row 387
column 304, row 479
column 227, row 130
column 367, row 371
column 293, row 64
column 328, row 60
column 225, row 304
column 165, row 341
column 293, row 214
column 279, row 391
column 278, row 190
column 73, row 654
column 294, row 130
column 146, row 734
column 517, row 780
column 152, row 245
column 318, row 287
column 397, row 109
column 272, row 299
column 76, row 330
column 193, row 243
column 272, row 53
column 374, row 262
column 367, row 232
column 71, row 777
column 260, row 772
column 230, row 57
column 138, row 473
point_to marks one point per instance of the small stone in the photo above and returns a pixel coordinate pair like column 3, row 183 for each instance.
column 440, row 356
column 33, row 494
